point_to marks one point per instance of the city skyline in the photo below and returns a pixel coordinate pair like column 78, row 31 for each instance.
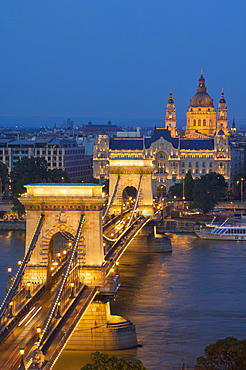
column 119, row 59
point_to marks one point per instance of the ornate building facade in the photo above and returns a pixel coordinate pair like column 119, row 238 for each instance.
column 204, row 148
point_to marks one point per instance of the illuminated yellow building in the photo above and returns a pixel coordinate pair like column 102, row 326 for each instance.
column 204, row 148
column 202, row 120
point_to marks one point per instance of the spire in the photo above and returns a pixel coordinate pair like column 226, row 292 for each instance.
column 170, row 120
column 170, row 100
column 201, row 84
column 222, row 101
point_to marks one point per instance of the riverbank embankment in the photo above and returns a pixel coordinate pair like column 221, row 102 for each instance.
column 13, row 225
column 178, row 226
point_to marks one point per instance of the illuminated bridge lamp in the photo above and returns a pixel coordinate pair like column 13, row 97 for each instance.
column 19, row 262
column 117, row 265
column 10, row 315
column 59, row 255
column 64, row 252
column 22, row 365
column 28, row 289
column 9, row 271
column 58, row 313
column 72, row 290
column 38, row 332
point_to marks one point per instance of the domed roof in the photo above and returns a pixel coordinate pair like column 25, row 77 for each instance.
column 201, row 98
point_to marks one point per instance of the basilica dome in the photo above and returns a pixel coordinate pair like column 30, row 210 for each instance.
column 201, row 98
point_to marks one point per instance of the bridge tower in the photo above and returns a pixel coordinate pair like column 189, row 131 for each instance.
column 62, row 206
column 135, row 173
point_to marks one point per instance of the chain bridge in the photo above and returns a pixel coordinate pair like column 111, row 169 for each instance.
column 60, row 296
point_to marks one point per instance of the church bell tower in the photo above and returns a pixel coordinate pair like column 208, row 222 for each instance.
column 222, row 120
column 170, row 120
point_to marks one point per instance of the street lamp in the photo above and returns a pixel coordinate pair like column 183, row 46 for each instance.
column 38, row 332
column 22, row 365
column 10, row 314
column 58, row 312
column 242, row 179
column 72, row 290
column 28, row 290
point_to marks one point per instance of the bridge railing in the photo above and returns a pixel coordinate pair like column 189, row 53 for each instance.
column 111, row 199
column 136, row 200
column 62, row 341
column 16, row 284
column 63, row 290
column 122, row 242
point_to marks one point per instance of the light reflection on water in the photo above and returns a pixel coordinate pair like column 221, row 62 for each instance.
column 179, row 302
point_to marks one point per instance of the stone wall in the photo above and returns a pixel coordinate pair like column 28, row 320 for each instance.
column 175, row 226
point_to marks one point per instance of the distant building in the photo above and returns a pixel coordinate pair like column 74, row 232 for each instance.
column 59, row 153
column 92, row 129
column 68, row 124
column 204, row 148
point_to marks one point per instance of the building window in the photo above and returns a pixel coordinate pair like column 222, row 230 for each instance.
column 194, row 122
column 189, row 164
column 183, row 172
column 183, row 164
column 199, row 122
column 210, row 164
column 197, row 164
column 204, row 122
column 196, row 171
column 203, row 171
column 203, row 164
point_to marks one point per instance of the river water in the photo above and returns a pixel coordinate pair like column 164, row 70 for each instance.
column 179, row 302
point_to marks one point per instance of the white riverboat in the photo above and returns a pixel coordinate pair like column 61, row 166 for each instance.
column 224, row 231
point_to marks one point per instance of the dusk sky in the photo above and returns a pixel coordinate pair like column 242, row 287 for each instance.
column 119, row 58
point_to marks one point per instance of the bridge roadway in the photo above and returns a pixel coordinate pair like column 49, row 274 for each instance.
column 25, row 336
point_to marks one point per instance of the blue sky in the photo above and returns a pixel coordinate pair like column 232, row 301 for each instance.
column 119, row 58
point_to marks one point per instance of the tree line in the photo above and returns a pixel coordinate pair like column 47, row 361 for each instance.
column 202, row 193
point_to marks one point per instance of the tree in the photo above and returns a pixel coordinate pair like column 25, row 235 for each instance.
column 58, row 175
column 3, row 173
column 240, row 182
column 28, row 171
column 219, row 185
column 176, row 190
column 224, row 354
column 189, row 184
column 105, row 362
column 31, row 171
column 203, row 196
column 208, row 190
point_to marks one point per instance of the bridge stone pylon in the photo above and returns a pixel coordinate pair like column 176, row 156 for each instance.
column 131, row 172
column 62, row 206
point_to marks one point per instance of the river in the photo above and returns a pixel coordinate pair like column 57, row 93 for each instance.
column 179, row 302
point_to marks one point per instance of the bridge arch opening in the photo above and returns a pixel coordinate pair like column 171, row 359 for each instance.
column 59, row 246
column 129, row 196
